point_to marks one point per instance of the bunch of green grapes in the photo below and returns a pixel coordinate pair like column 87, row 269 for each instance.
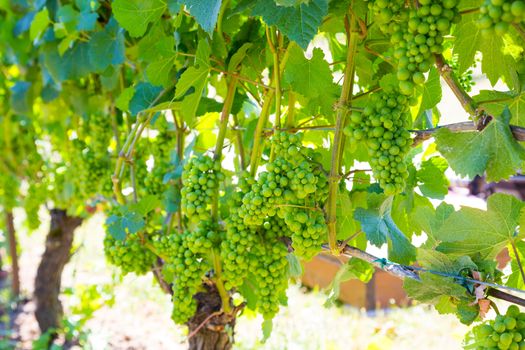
column 200, row 180
column 386, row 13
column 308, row 231
column 420, row 37
column 497, row 15
column 383, row 126
column 129, row 254
column 204, row 237
column 505, row 332
column 93, row 171
column 269, row 267
column 9, row 187
column 154, row 179
column 36, row 196
column 266, row 194
column 100, row 132
column 235, row 250
column 188, row 270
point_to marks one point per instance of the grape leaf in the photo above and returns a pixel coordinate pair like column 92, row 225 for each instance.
column 311, row 78
column 143, row 98
column 39, row 24
column 73, row 64
column 430, row 92
column 376, row 221
column 353, row 269
column 120, row 225
column 159, row 70
column 430, row 221
column 107, row 47
column 136, row 15
column 432, row 287
column 299, row 23
column 471, row 231
column 205, row 12
column 124, row 98
column 192, row 82
column 294, row 266
column 515, row 279
column 495, row 62
column 493, row 150
column 431, row 178
column 495, row 102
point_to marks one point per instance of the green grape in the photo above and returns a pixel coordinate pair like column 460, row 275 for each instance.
column 416, row 35
column 36, row 196
column 291, row 188
column 269, row 267
column 383, row 126
column 235, row 251
column 188, row 269
column 129, row 254
column 496, row 16
column 464, row 78
column 200, row 180
column 100, row 130
column 308, row 230
column 9, row 190
column 90, row 172
column 385, row 12
column 505, row 332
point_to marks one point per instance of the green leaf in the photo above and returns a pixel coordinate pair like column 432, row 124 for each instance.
column 430, row 221
column 159, row 70
column 21, row 99
column 515, row 279
column 299, row 23
column 73, row 64
column 377, row 223
column 205, row 12
column 493, row 150
column 136, row 15
column 120, row 225
column 238, row 57
column 467, row 313
column 431, row 177
column 472, row 232
column 143, row 98
column 430, row 91
column 495, row 102
column 495, row 62
column 123, row 99
column 107, row 47
column 145, row 205
column 353, row 269
column 432, row 287
column 39, row 24
column 294, row 266
column 192, row 82
column 311, row 78
column 267, row 327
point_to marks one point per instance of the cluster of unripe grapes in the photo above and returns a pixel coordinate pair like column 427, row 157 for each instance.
column 200, row 181
column 382, row 124
column 505, row 332
column 497, row 15
column 129, row 254
column 92, row 171
column 416, row 35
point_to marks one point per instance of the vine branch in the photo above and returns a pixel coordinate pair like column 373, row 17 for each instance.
column 334, row 177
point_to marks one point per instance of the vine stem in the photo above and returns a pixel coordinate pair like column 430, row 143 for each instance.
column 518, row 259
column 258, row 138
column 225, row 298
column 463, row 97
column 333, row 179
column 403, row 272
column 422, row 135
column 223, row 126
